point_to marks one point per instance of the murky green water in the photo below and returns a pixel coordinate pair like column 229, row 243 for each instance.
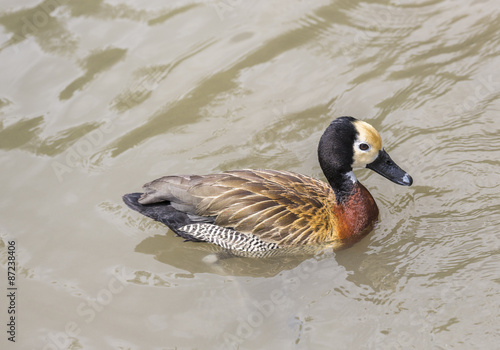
column 98, row 97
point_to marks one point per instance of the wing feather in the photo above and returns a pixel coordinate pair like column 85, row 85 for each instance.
column 277, row 206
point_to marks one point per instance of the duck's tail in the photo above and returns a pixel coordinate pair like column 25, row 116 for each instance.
column 166, row 214
column 197, row 228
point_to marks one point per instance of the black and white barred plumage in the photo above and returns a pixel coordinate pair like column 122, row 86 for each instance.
column 227, row 238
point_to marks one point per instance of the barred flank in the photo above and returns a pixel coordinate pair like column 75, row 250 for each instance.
column 227, row 238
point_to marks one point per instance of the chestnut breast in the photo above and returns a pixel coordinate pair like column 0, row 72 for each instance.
column 357, row 214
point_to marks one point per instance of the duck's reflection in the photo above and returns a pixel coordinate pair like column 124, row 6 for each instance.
column 200, row 257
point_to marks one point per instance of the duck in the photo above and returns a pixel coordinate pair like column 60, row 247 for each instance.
column 263, row 210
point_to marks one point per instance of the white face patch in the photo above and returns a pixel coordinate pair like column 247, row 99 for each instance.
column 367, row 144
column 363, row 157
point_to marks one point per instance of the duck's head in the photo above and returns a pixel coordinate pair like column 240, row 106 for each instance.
column 349, row 143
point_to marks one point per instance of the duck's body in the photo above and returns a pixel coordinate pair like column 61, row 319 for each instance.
column 257, row 210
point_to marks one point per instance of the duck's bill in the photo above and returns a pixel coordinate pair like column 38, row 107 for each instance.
column 386, row 167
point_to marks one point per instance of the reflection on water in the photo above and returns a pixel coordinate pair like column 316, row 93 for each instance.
column 98, row 97
column 40, row 23
column 203, row 258
column 94, row 64
column 206, row 258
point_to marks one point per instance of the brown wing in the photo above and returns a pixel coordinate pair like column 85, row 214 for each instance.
column 278, row 206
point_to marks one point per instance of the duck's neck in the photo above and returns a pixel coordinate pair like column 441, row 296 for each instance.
column 343, row 185
column 341, row 179
column 335, row 156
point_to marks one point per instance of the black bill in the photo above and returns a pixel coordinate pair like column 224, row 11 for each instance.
column 386, row 167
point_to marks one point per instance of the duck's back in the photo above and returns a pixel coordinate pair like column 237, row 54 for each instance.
column 277, row 206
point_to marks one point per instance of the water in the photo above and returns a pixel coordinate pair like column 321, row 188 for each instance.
column 99, row 97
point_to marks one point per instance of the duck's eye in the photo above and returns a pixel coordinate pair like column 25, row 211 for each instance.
column 364, row 146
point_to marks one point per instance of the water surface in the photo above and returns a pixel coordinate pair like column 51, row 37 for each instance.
column 98, row 97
